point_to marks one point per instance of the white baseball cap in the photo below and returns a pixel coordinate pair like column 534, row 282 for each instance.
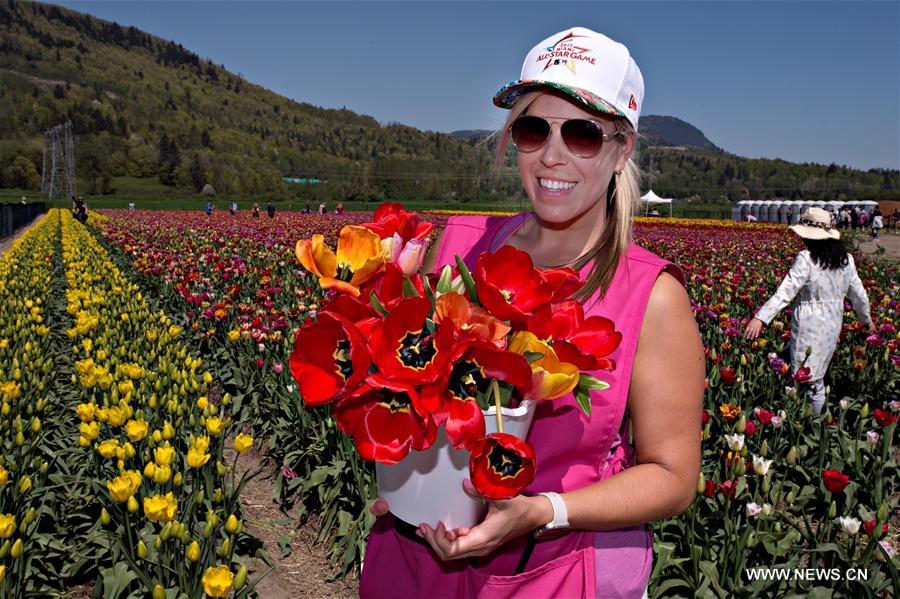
column 590, row 67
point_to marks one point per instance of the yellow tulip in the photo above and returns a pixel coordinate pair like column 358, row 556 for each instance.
column 193, row 551
column 202, row 403
column 108, row 448
column 359, row 257
column 197, row 457
column 214, row 426
column 4, row 476
column 164, row 455
column 550, row 378
column 136, row 429
column 7, row 525
column 243, row 443
column 86, row 411
column 124, row 486
column 234, row 335
column 117, row 416
column 161, row 508
column 217, row 582
column 231, row 524
column 90, row 430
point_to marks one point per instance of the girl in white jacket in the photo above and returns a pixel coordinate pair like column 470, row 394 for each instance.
column 821, row 276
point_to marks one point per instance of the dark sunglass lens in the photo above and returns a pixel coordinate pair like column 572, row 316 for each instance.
column 583, row 138
column 530, row 132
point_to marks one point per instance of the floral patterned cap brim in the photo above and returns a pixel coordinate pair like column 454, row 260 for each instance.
column 511, row 92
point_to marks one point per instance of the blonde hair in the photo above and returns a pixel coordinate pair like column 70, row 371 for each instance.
column 623, row 200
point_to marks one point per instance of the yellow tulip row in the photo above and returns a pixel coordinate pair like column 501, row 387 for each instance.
column 150, row 425
column 26, row 372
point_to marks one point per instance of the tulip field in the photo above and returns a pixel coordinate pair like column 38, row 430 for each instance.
column 141, row 352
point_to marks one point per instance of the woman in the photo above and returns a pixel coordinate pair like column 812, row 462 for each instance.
column 573, row 122
column 822, row 274
column 877, row 222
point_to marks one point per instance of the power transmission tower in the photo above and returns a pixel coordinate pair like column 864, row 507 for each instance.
column 58, row 174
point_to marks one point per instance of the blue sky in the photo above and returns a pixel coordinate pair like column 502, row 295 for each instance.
column 802, row 81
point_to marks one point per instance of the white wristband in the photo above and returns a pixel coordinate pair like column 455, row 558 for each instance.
column 560, row 513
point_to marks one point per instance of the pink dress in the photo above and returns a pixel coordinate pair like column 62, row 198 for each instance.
column 580, row 563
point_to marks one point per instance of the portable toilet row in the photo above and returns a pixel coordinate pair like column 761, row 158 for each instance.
column 789, row 211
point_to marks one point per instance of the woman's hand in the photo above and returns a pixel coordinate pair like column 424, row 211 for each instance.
column 754, row 328
column 380, row 507
column 505, row 521
column 872, row 328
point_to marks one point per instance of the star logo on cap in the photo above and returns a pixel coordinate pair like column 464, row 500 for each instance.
column 575, row 50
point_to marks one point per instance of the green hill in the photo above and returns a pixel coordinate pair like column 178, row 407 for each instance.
column 147, row 108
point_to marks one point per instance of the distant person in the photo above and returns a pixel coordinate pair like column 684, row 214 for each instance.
column 340, row 208
column 306, row 209
column 270, row 209
column 854, row 218
column 24, row 200
column 209, row 208
column 863, row 219
column 751, row 218
column 322, row 208
column 255, row 212
column 131, row 205
column 233, row 208
column 895, row 218
column 845, row 218
column 877, row 223
column 822, row 274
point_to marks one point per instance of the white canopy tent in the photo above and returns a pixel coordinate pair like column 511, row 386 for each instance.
column 651, row 198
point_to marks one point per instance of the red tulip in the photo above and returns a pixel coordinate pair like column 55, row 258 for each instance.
column 382, row 419
column 802, row 375
column 403, row 347
column 835, row 481
column 584, row 342
column 470, row 378
column 509, row 286
column 392, row 217
column 710, row 489
column 884, row 418
column 764, row 416
column 501, row 466
column 329, row 359
column 728, row 375
column 870, row 527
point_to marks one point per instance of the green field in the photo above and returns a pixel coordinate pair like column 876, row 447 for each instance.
column 150, row 194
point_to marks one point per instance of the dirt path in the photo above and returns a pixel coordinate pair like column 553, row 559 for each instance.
column 889, row 241
column 303, row 572
column 7, row 242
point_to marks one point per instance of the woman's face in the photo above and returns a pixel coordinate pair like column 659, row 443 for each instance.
column 563, row 187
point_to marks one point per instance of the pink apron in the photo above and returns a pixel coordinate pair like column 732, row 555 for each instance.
column 581, row 563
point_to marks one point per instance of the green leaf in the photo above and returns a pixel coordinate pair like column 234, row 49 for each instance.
column 116, row 580
column 445, row 282
column 586, row 381
column 376, row 304
column 467, row 280
column 409, row 290
column 584, row 400
column 284, row 543
column 533, row 356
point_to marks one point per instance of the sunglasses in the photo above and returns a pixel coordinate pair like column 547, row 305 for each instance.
column 582, row 137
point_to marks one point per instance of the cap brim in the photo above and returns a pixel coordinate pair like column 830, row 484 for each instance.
column 510, row 93
column 814, row 232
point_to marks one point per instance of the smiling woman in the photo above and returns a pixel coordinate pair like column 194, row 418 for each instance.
column 573, row 122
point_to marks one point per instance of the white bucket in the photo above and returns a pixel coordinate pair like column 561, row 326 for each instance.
column 427, row 485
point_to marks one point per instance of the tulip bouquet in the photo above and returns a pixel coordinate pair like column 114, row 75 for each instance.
column 398, row 354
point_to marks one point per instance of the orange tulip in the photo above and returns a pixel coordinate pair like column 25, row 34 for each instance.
column 359, row 258
column 550, row 378
column 470, row 320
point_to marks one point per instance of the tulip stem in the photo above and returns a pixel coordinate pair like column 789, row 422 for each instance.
column 495, row 388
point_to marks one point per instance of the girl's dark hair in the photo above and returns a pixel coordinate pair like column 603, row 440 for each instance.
column 830, row 254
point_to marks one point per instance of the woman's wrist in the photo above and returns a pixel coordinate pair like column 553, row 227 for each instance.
column 540, row 511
